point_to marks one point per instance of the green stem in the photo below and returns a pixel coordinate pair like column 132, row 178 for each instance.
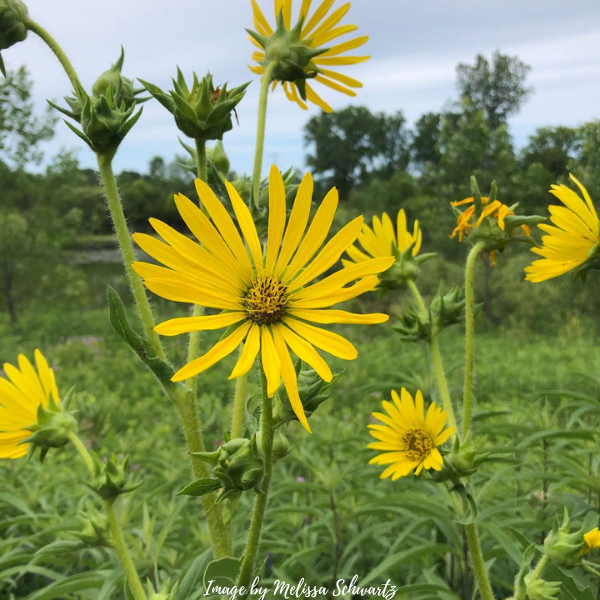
column 260, row 131
column 239, row 402
column 442, row 382
column 58, row 52
column 135, row 585
column 469, row 336
column 481, row 576
column 260, row 504
column 83, row 451
column 187, row 408
column 126, row 246
column 438, row 365
column 201, row 163
column 539, row 569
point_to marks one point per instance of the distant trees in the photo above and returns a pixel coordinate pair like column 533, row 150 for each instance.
column 20, row 130
column 351, row 145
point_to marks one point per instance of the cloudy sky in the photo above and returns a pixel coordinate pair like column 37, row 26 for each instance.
column 414, row 46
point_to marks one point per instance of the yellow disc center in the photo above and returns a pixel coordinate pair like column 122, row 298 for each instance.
column 266, row 301
column 417, row 444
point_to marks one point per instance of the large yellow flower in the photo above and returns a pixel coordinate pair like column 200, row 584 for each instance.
column 379, row 240
column 569, row 244
column 265, row 296
column 20, row 396
column 409, row 438
column 316, row 32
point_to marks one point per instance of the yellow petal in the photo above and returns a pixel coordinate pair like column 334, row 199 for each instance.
column 249, row 352
column 325, row 340
column 271, row 361
column 276, row 217
column 306, row 352
column 203, row 323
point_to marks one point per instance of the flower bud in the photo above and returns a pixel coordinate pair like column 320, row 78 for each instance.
column 106, row 116
column 94, row 528
column 237, row 464
column 110, row 478
column 563, row 548
column 406, row 268
column 445, row 309
column 202, row 112
column 13, row 27
column 219, row 158
column 52, row 428
column 538, row 589
column 313, row 391
column 462, row 461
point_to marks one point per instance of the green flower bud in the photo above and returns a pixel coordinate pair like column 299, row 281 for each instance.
column 120, row 86
column 538, row 589
column 94, row 528
column 202, row 112
column 290, row 56
column 445, row 309
column 563, row 548
column 219, row 158
column 166, row 592
column 52, row 428
column 106, row 116
column 110, row 478
column 281, row 445
column 406, row 268
column 462, row 461
column 237, row 464
column 313, row 391
column 13, row 27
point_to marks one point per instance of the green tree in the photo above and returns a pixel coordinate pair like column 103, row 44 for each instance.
column 426, row 139
column 21, row 131
column 553, row 148
column 496, row 87
column 352, row 145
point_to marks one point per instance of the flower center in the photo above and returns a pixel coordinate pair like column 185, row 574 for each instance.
column 266, row 301
column 417, row 444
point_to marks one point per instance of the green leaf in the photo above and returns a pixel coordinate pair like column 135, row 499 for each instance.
column 118, row 319
column 61, row 547
column 200, row 487
column 222, row 572
column 192, row 579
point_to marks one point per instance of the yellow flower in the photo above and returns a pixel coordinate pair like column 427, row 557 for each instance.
column 316, row 31
column 379, row 240
column 20, row 396
column 265, row 296
column 591, row 541
column 409, row 438
column 574, row 239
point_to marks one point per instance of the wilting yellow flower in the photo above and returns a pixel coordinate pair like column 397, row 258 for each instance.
column 266, row 297
column 573, row 241
column 315, row 32
column 409, row 438
column 20, row 396
column 379, row 240
column 591, row 541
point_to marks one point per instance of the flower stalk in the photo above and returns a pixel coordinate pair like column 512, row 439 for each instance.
column 469, row 335
column 258, row 513
column 260, row 132
column 481, row 576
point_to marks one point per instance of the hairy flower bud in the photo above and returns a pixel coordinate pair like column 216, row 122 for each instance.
column 110, row 478
column 13, row 25
column 562, row 547
column 203, row 112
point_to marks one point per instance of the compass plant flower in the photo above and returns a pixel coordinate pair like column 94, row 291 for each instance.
column 591, row 541
column 28, row 402
column 300, row 51
column 408, row 438
column 573, row 241
column 381, row 239
column 267, row 298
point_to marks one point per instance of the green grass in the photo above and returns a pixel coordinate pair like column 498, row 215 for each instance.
column 330, row 516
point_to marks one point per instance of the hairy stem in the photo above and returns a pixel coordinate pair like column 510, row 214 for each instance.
column 438, row 365
column 118, row 542
column 469, row 336
column 83, row 451
column 481, row 576
column 126, row 246
column 260, row 131
column 252, row 543
column 239, row 402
